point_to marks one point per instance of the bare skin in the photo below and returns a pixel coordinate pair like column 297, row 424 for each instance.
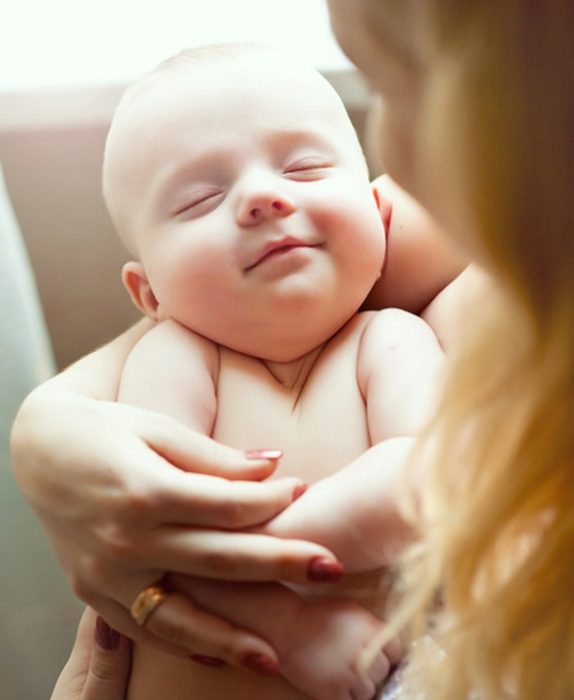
column 253, row 253
column 82, row 393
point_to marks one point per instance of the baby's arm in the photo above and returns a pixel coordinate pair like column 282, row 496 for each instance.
column 173, row 370
column 354, row 511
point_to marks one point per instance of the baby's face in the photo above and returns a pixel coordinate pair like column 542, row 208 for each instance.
column 248, row 201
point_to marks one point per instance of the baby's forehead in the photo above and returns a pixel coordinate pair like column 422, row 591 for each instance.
column 250, row 72
column 267, row 89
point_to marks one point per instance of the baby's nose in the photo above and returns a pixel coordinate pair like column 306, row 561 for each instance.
column 261, row 206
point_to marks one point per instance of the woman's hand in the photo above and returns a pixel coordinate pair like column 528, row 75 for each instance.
column 99, row 664
column 127, row 495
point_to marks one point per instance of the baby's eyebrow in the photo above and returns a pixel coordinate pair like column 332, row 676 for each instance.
column 303, row 136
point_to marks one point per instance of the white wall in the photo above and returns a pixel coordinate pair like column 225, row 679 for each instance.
column 63, row 43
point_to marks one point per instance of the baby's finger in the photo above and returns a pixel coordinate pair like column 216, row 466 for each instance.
column 380, row 668
column 363, row 689
column 394, row 651
column 240, row 557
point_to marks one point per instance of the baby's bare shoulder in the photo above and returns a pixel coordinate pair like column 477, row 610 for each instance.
column 169, row 346
column 400, row 369
column 395, row 329
column 175, row 338
column 394, row 338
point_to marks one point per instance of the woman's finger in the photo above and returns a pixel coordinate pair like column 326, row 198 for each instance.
column 110, row 665
column 178, row 621
column 118, row 616
column 240, row 557
column 191, row 451
column 206, row 501
column 72, row 678
column 99, row 664
column 180, row 628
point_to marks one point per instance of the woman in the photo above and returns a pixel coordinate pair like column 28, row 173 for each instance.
column 478, row 107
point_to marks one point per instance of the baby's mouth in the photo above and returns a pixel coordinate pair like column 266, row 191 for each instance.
column 276, row 249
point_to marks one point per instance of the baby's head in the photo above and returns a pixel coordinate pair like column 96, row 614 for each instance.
column 235, row 178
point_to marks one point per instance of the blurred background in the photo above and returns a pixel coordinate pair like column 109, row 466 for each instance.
column 63, row 66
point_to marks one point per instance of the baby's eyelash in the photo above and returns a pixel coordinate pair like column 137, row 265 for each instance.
column 308, row 164
column 192, row 204
column 308, row 167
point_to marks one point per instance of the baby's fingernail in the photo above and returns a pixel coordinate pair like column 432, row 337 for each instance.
column 261, row 664
column 264, row 454
column 207, row 660
column 299, row 491
column 321, row 569
column 106, row 637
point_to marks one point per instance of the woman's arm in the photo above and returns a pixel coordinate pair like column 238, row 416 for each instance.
column 420, row 261
column 95, row 472
column 423, row 272
column 450, row 312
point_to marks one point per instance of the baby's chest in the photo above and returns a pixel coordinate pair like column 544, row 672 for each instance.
column 320, row 426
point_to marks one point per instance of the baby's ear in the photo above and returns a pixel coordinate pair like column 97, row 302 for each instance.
column 382, row 192
column 136, row 282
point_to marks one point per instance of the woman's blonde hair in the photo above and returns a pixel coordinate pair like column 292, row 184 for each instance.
column 495, row 140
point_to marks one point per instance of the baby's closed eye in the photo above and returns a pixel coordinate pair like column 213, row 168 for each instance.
column 198, row 203
column 308, row 168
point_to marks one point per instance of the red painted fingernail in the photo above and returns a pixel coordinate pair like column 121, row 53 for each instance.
column 106, row 637
column 207, row 660
column 261, row 664
column 264, row 454
column 321, row 569
column 299, row 491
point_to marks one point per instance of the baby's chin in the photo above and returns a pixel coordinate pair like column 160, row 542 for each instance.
column 283, row 344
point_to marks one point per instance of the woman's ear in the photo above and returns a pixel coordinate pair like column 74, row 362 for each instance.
column 136, row 282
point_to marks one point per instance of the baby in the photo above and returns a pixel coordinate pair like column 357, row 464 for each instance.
column 236, row 180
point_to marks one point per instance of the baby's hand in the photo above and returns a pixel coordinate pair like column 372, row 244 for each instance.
column 321, row 652
column 354, row 512
column 319, row 643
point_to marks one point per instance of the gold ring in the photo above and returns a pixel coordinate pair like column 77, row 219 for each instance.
column 146, row 602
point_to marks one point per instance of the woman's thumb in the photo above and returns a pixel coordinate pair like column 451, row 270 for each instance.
column 110, row 665
column 193, row 452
